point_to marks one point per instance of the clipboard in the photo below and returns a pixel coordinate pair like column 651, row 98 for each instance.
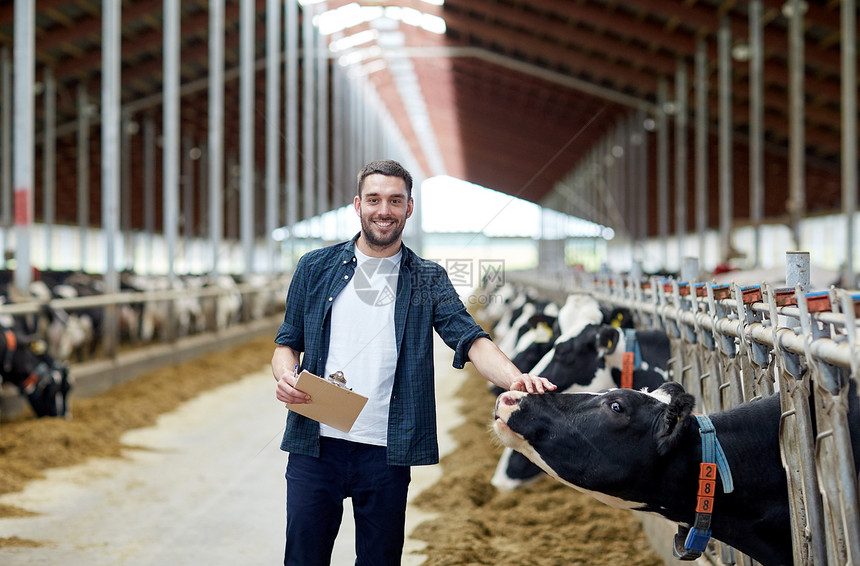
column 330, row 404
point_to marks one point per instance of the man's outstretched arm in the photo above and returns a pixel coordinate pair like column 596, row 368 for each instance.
column 497, row 368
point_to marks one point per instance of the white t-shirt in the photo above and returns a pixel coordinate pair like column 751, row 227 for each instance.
column 363, row 345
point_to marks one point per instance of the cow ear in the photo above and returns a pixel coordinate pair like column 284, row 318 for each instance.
column 675, row 415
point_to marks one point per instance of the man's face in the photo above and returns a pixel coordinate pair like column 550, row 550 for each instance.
column 383, row 208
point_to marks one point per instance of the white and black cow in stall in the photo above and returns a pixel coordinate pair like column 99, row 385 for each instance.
column 639, row 450
column 70, row 332
column 26, row 364
column 536, row 347
column 534, row 325
column 498, row 299
column 588, row 356
column 536, row 339
column 649, row 350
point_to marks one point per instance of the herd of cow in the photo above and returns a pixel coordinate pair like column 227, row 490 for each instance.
column 620, row 429
column 618, row 426
column 579, row 346
column 37, row 347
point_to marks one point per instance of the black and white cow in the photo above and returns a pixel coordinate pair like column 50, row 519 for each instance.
column 619, row 317
column 25, row 363
column 648, row 349
column 496, row 303
column 639, row 450
column 71, row 332
column 587, row 356
column 513, row 309
column 515, row 471
column 592, row 361
column 540, row 334
column 533, row 325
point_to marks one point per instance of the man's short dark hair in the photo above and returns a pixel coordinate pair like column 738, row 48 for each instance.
column 389, row 168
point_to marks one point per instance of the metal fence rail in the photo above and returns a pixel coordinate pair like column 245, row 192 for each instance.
column 732, row 344
column 260, row 310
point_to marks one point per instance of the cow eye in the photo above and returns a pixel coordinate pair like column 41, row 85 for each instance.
column 616, row 406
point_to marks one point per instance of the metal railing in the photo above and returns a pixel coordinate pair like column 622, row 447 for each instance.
column 257, row 299
column 732, row 344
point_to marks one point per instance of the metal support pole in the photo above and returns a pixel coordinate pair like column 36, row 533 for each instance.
column 689, row 269
column 757, row 188
column 796, row 430
column 322, row 106
column 23, row 164
column 127, row 128
column 202, row 169
column 291, row 108
column 663, row 169
column 368, row 130
column 246, row 132
column 83, row 177
column 724, row 39
column 797, row 268
column 6, row 148
column 149, row 186
column 797, row 272
column 216, row 129
column 110, row 159
column 308, row 113
column 701, row 148
column 231, row 192
column 338, row 182
column 681, row 157
column 273, row 122
column 605, row 181
column 849, row 135
column 49, row 162
column 356, row 119
column 622, row 184
column 586, row 180
column 170, row 132
column 187, row 183
column 643, row 176
column 796, row 144
column 634, row 190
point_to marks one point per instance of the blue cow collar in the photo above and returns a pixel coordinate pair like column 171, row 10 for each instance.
column 689, row 543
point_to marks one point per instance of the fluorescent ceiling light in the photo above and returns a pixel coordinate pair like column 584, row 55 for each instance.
column 353, row 40
column 353, row 14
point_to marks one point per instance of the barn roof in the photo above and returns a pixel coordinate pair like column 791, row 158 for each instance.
column 518, row 93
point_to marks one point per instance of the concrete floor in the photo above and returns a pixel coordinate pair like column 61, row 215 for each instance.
column 203, row 486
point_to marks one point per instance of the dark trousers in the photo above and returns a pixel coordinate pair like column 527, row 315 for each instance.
column 316, row 488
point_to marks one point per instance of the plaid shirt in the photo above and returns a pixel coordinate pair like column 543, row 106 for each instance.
column 426, row 299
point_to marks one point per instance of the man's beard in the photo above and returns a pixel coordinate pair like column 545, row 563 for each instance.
column 377, row 241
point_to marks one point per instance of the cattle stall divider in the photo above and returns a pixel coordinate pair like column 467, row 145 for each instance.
column 734, row 343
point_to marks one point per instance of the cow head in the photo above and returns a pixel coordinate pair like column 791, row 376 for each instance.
column 619, row 317
column 48, row 393
column 608, row 338
column 38, row 376
column 605, row 443
column 536, row 339
column 573, row 361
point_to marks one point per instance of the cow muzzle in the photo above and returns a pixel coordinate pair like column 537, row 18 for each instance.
column 507, row 403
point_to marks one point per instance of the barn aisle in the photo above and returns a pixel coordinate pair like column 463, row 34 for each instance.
column 203, row 486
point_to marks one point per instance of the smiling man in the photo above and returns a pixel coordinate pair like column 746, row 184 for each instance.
column 368, row 308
